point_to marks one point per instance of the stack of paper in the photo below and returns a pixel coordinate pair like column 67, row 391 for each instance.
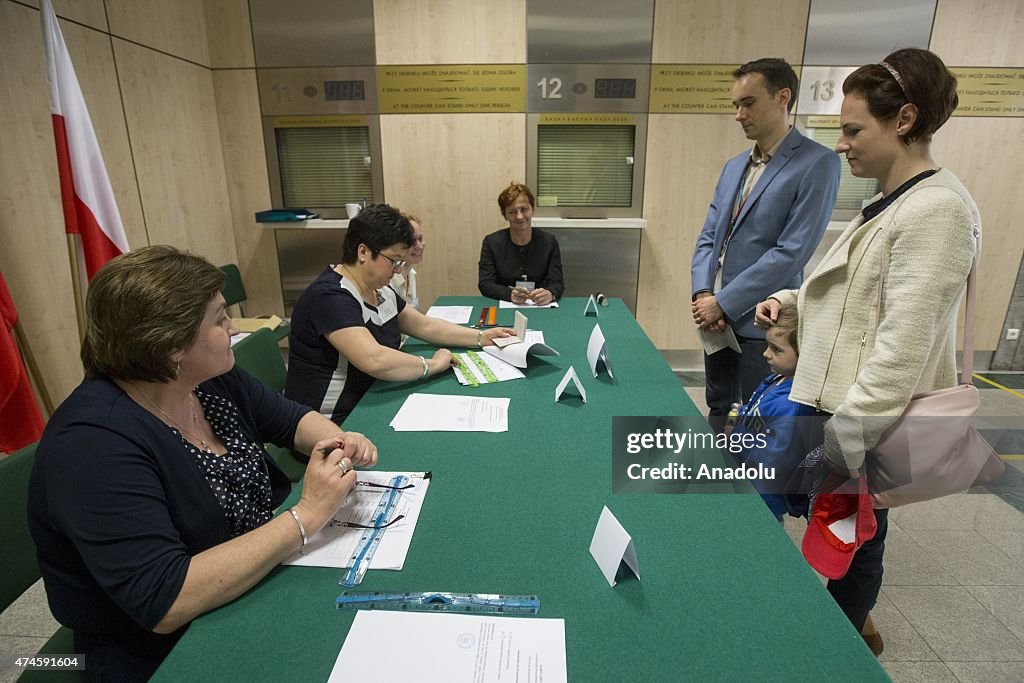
column 453, row 314
column 404, row 646
column 437, row 413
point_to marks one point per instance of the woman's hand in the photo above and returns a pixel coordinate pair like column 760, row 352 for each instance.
column 328, row 481
column 766, row 313
column 541, row 297
column 441, row 361
column 487, row 338
column 354, row 446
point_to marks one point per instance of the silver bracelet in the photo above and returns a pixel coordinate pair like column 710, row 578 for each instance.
column 426, row 368
column 479, row 338
column 302, row 529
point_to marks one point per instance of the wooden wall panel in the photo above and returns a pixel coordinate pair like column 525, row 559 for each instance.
column 449, row 170
column 979, row 32
column 685, row 155
column 450, row 32
column 248, row 188
column 33, row 257
column 980, row 152
column 229, row 33
column 728, row 31
column 177, row 27
column 88, row 12
column 172, row 119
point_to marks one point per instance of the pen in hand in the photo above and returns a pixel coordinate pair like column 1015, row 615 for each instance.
column 328, row 449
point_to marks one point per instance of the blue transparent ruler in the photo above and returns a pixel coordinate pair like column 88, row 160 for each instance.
column 465, row 603
column 370, row 538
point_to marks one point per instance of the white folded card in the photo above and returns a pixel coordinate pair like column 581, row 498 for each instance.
column 570, row 375
column 611, row 546
column 591, row 308
column 597, row 350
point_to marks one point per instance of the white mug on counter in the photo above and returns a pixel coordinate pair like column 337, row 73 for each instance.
column 352, row 210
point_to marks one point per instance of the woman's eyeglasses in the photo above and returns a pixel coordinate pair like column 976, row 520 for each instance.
column 396, row 263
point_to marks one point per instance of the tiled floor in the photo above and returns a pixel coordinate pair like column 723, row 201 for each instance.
column 952, row 602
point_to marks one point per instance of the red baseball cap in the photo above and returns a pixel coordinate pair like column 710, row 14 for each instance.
column 839, row 524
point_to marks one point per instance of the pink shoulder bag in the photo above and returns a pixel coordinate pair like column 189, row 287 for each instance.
column 934, row 450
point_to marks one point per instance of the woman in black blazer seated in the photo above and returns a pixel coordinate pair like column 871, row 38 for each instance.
column 520, row 253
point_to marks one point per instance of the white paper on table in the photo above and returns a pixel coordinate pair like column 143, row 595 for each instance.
column 509, row 304
column 716, row 341
column 453, row 314
column 501, row 370
column 517, row 353
column 440, row 413
column 239, row 337
column 597, row 350
column 423, row 646
column 519, row 333
column 534, row 336
column 612, row 545
column 334, row 545
column 570, row 375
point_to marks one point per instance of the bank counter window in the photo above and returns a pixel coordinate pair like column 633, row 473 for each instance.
column 324, row 167
column 587, row 165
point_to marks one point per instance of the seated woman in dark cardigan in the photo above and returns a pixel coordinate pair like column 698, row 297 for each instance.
column 520, row 253
column 152, row 499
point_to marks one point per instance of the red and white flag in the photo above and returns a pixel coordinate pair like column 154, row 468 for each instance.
column 20, row 420
column 90, row 210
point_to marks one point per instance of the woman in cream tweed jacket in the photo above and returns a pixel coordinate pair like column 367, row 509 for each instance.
column 861, row 361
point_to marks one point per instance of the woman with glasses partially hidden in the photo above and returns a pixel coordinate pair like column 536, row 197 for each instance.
column 347, row 325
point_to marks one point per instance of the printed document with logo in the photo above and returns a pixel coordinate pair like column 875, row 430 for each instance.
column 433, row 646
column 334, row 545
column 453, row 314
column 716, row 341
column 441, row 413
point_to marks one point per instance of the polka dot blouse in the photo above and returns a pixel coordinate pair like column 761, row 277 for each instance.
column 239, row 478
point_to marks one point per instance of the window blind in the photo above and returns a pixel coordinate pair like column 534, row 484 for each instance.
column 324, row 167
column 585, row 165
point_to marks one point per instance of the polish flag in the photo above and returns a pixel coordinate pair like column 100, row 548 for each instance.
column 20, row 420
column 90, row 210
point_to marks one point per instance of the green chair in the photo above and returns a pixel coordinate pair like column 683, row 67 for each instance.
column 260, row 356
column 20, row 567
column 234, row 293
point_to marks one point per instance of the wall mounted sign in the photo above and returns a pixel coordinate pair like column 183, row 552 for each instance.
column 452, row 88
column 989, row 92
column 692, row 88
column 821, row 89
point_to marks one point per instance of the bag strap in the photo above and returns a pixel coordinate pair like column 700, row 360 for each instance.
column 967, row 370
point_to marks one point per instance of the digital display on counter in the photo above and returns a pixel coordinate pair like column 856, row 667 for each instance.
column 615, row 88
column 335, row 91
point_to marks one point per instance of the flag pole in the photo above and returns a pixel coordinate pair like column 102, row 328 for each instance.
column 29, row 359
column 76, row 285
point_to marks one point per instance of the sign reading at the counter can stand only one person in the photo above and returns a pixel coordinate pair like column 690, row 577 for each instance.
column 452, row 88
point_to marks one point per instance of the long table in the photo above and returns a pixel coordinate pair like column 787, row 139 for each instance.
column 724, row 592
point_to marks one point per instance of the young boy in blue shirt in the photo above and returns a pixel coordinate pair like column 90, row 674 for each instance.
column 786, row 427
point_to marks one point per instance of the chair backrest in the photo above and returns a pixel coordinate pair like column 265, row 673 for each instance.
column 260, row 356
column 20, row 569
column 233, row 290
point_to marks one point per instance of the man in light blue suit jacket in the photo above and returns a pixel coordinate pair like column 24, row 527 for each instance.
column 767, row 216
